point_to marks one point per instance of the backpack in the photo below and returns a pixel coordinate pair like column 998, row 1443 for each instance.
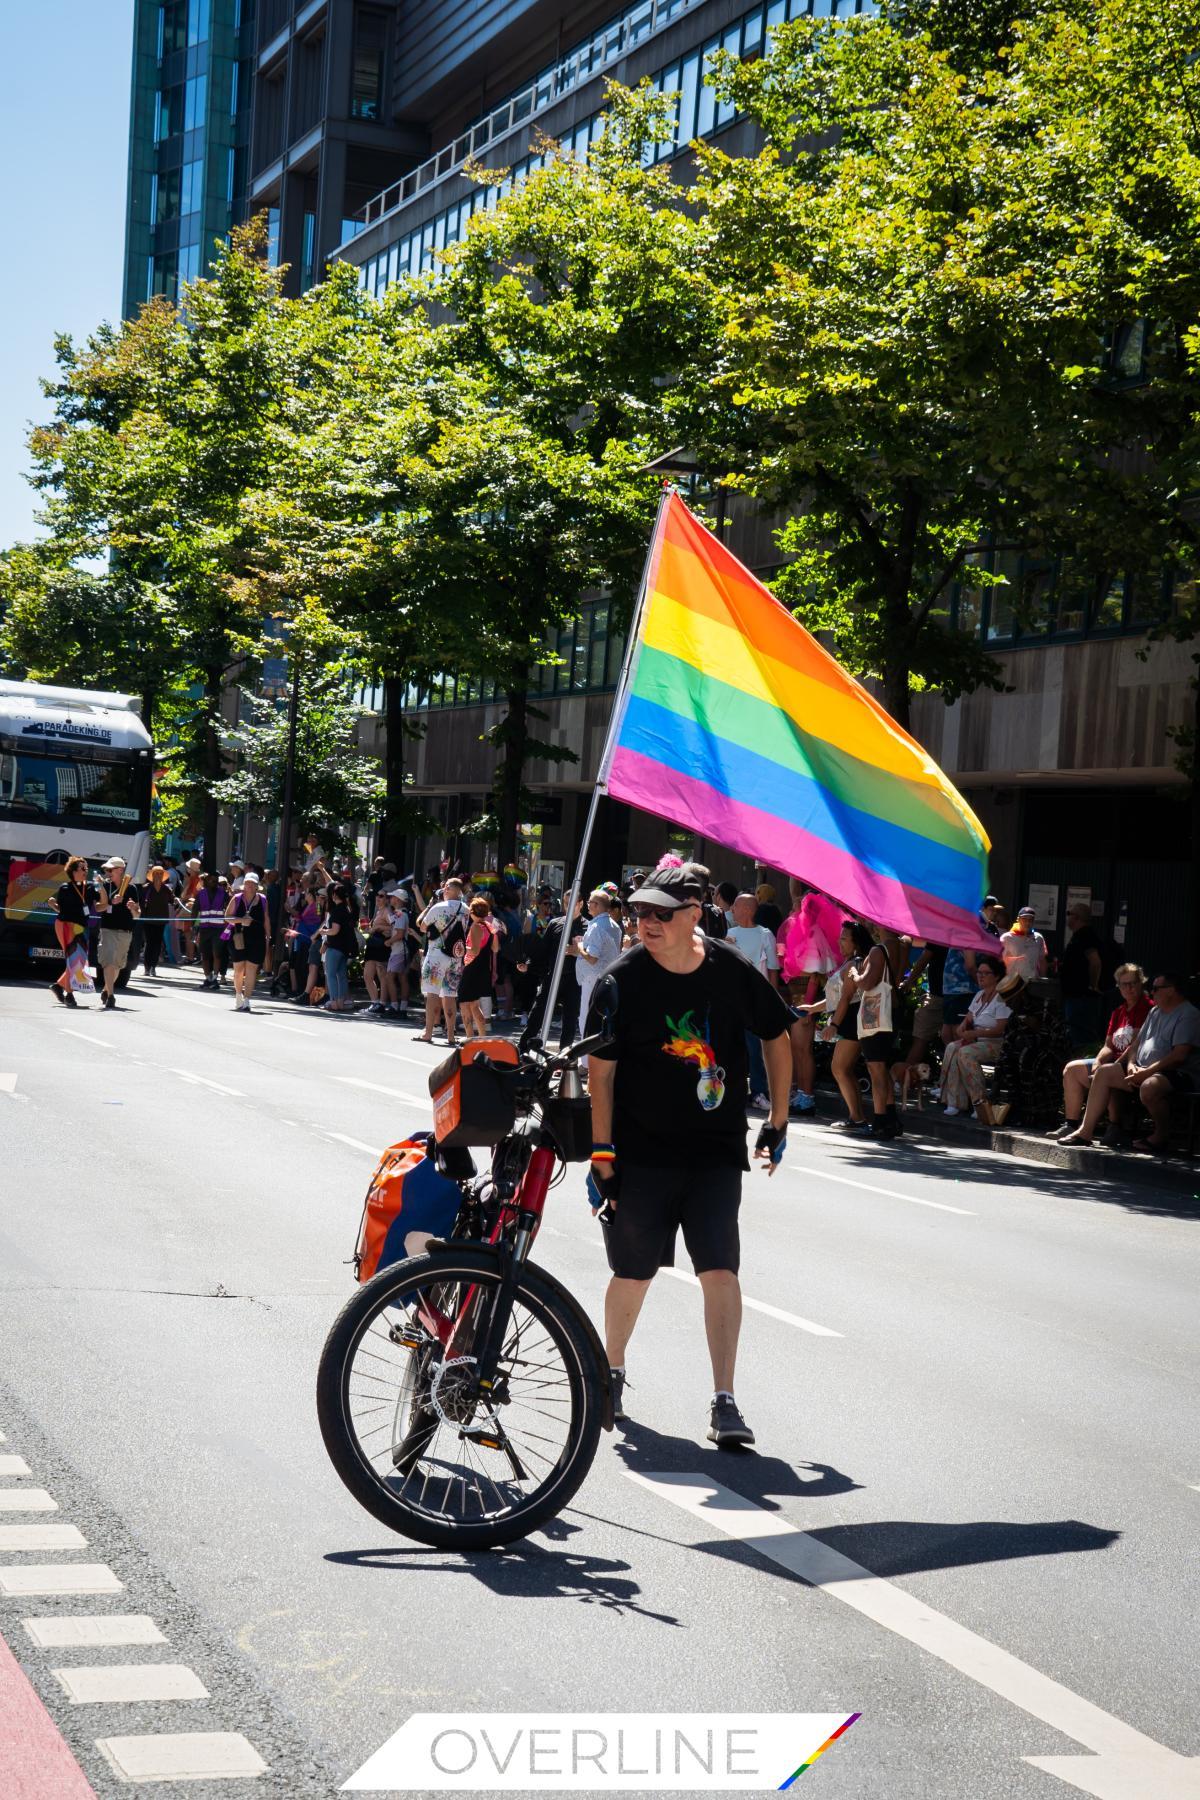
column 407, row 1193
column 453, row 940
column 713, row 922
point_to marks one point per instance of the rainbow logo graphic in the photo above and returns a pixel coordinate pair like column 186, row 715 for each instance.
column 832, row 1739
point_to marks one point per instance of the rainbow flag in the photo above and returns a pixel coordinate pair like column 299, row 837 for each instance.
column 737, row 723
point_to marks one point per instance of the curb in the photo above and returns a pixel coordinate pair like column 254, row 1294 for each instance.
column 1109, row 1166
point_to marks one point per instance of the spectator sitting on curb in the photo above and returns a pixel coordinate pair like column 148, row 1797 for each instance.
column 1123, row 1027
column 1164, row 1059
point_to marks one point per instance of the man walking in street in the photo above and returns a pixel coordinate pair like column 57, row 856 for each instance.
column 668, row 1098
column 116, row 902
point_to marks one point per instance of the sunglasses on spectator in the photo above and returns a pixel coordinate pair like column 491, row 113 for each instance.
column 662, row 913
column 1158, row 987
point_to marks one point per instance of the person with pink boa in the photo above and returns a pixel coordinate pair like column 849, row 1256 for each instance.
column 808, row 952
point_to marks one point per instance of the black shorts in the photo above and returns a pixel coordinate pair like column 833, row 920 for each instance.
column 879, row 1047
column 653, row 1204
column 1181, row 1083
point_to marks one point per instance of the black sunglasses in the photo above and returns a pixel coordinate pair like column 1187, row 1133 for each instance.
column 662, row 913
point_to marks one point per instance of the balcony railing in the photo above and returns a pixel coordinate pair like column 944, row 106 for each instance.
column 605, row 46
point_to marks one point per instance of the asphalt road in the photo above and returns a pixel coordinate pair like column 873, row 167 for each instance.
column 997, row 1420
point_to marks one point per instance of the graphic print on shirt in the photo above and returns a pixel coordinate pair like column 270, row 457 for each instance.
column 690, row 1045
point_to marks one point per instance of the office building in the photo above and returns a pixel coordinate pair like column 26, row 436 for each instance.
column 189, row 126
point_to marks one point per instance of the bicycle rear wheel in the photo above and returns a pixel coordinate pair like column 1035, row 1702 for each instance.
column 401, row 1419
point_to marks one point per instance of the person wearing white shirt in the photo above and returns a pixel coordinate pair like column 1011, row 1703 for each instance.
column 1023, row 948
column 976, row 1040
column 595, row 951
column 759, row 948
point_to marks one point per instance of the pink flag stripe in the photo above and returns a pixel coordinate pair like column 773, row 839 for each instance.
column 754, row 832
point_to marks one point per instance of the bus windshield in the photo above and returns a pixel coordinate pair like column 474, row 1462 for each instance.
column 43, row 790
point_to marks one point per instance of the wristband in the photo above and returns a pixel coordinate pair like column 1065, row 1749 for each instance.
column 606, row 1154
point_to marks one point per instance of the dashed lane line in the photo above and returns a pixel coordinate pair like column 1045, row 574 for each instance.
column 13, row 1465
column 25, row 1581
column 204, row 1081
column 374, row 1087
column 763, row 1306
column 340, row 1137
column 26, row 1499
column 85, row 1037
column 869, row 1187
column 307, row 1031
column 129, row 1683
column 416, row 1062
column 41, row 1537
column 105, row 1631
column 182, row 1756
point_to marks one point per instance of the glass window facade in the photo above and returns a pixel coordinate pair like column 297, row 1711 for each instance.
column 1056, row 600
column 584, row 657
column 370, row 54
column 695, row 114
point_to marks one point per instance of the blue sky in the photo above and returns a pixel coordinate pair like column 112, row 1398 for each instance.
column 64, row 136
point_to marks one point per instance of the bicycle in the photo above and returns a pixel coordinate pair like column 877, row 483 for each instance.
column 461, row 1393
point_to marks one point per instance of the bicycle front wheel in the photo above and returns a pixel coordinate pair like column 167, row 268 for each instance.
column 406, row 1428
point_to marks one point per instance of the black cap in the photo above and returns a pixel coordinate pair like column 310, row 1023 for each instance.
column 672, row 887
column 990, row 900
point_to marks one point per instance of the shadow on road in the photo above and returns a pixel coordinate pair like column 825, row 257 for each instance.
column 524, row 1571
column 763, row 1479
column 987, row 1168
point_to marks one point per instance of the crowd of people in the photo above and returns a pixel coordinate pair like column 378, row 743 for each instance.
column 455, row 956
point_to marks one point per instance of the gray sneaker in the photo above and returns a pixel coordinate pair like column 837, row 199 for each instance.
column 617, row 1378
column 726, row 1424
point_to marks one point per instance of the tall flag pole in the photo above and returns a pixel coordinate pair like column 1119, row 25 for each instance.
column 733, row 720
column 668, row 494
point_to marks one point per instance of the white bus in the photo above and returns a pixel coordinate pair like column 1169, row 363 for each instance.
column 76, row 770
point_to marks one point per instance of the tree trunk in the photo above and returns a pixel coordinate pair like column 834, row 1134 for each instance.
column 895, row 689
column 392, row 838
column 211, row 762
column 510, row 773
column 1194, row 808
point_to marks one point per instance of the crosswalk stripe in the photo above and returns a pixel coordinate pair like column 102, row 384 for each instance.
column 182, row 1756
column 125, row 1683
column 42, row 1537
column 23, row 1580
column 89, row 1631
column 26, row 1499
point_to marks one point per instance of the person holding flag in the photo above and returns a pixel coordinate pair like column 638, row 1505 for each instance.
column 668, row 1097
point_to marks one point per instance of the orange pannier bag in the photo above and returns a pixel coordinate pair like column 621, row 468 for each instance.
column 408, row 1192
column 473, row 1104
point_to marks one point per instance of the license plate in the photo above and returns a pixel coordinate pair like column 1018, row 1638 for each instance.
column 46, row 950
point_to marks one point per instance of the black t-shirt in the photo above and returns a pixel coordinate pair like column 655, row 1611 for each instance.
column 72, row 903
column 118, row 917
column 346, row 939
column 156, row 902
column 1074, row 973
column 679, row 1042
column 768, row 914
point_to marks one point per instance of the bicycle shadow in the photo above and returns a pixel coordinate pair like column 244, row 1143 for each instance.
column 524, row 1571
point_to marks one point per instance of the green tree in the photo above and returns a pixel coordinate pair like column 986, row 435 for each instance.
column 161, row 430
column 923, row 273
column 335, row 784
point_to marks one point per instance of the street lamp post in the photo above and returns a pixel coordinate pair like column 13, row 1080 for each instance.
column 289, row 774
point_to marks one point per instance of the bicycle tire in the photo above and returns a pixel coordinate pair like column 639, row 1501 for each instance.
column 554, row 1309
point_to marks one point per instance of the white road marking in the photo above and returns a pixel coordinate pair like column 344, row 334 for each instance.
column 88, row 1632
column 8, row 1084
column 42, row 1537
column 416, row 1061
column 127, row 1682
column 203, row 1081
column 392, row 1093
column 85, row 1037
column 762, row 1306
column 195, row 1000
column 300, row 1030
column 182, row 1756
column 1128, row 1766
column 21, row 1580
column 13, row 1465
column 869, row 1187
column 354, row 1143
column 26, row 1499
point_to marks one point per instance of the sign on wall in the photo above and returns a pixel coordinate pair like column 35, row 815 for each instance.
column 1043, row 897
